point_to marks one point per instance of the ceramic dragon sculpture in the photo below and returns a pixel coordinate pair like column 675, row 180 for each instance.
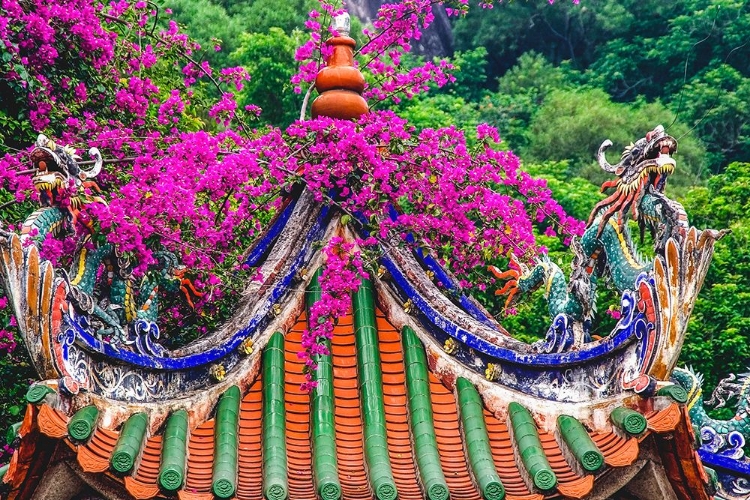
column 100, row 279
column 606, row 248
column 727, row 437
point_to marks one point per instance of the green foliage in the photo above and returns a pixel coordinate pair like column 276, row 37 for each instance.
column 718, row 103
column 717, row 338
column 440, row 110
column 269, row 58
column 572, row 124
column 560, row 31
column 533, row 75
column 259, row 16
column 471, row 74
column 210, row 25
column 679, row 53
column 521, row 91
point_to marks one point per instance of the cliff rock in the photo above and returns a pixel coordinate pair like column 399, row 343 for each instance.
column 436, row 41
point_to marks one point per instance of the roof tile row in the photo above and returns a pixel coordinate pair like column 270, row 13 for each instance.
column 94, row 456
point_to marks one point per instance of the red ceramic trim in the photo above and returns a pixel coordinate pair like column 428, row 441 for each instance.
column 665, row 420
column 578, row 488
column 52, row 422
column 139, row 490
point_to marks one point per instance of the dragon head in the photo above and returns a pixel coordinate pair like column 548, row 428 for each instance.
column 56, row 169
column 644, row 165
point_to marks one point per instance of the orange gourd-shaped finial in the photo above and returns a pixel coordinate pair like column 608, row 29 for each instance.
column 340, row 84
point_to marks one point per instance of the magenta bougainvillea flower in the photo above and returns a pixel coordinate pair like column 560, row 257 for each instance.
column 204, row 195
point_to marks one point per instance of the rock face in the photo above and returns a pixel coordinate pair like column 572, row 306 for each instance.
column 436, row 41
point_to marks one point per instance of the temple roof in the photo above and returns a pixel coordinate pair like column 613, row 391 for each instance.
column 424, row 394
column 440, row 440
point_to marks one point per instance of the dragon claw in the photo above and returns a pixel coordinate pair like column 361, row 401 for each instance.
column 504, row 275
column 187, row 287
column 512, row 275
column 509, row 287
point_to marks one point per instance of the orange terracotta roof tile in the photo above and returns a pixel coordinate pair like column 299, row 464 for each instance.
column 569, row 483
column 142, row 485
column 29, row 420
column 94, row 455
column 397, row 424
column 618, row 451
column 665, row 420
column 299, row 458
column 200, row 459
column 189, row 495
column 52, row 423
column 505, row 462
column 139, row 490
column 348, row 414
column 577, row 488
column 250, row 454
column 449, row 441
column 21, row 460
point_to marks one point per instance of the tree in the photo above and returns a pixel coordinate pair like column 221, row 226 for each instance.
column 211, row 26
column 717, row 337
column 269, row 57
column 588, row 116
column 717, row 103
column 520, row 93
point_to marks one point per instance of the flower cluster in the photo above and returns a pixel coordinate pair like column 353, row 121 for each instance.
column 205, row 195
column 340, row 278
column 7, row 341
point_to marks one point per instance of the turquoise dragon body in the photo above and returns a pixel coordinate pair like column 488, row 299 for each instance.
column 717, row 435
column 606, row 248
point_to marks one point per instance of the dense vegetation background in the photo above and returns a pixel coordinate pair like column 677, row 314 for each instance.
column 556, row 81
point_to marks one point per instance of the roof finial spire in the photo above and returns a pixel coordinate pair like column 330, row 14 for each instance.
column 340, row 84
column 342, row 24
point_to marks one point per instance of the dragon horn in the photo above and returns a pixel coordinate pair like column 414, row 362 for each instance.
column 42, row 141
column 603, row 159
column 90, row 174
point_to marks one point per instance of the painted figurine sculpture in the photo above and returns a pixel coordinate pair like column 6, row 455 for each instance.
column 606, row 248
column 121, row 308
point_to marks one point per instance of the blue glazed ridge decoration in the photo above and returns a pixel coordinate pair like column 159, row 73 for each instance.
column 617, row 340
column 270, row 236
column 257, row 322
column 442, row 276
